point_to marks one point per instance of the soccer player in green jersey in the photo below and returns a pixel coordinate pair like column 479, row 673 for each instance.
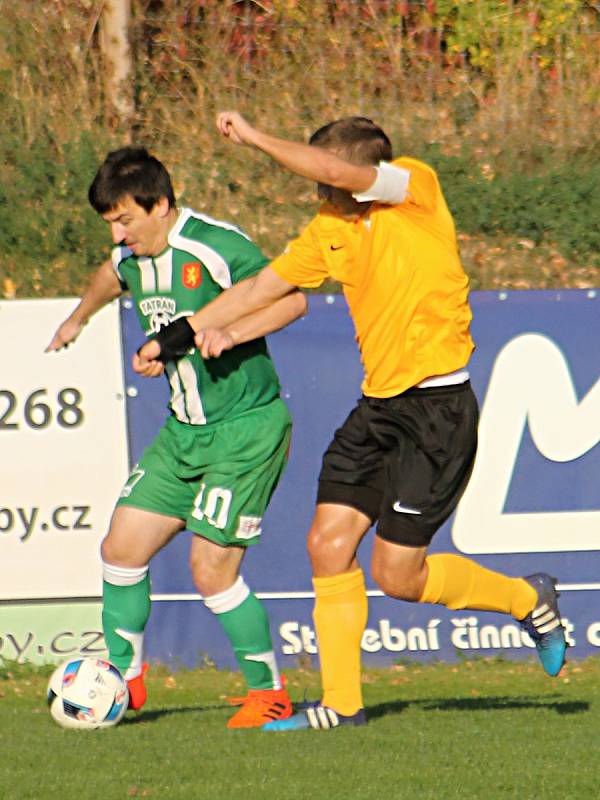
column 217, row 459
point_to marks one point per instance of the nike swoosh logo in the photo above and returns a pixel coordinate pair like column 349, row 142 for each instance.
column 339, row 247
column 404, row 509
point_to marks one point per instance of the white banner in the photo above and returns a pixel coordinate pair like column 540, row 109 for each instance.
column 63, row 449
column 531, row 385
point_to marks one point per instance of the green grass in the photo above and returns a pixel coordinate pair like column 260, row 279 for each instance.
column 479, row 730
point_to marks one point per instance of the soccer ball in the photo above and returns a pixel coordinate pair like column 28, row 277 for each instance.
column 87, row 693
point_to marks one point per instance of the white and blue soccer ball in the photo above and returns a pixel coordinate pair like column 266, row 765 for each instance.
column 87, row 693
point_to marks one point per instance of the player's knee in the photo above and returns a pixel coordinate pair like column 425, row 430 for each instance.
column 110, row 553
column 317, row 550
column 328, row 550
column 397, row 583
column 114, row 550
column 210, row 582
column 214, row 569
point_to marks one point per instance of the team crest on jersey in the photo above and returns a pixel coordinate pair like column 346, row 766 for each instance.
column 192, row 274
column 159, row 310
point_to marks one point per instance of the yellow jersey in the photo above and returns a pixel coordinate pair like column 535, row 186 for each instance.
column 401, row 274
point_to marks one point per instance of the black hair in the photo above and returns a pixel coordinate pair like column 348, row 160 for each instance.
column 133, row 172
column 357, row 139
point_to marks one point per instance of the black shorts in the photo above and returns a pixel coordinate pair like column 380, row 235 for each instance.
column 404, row 461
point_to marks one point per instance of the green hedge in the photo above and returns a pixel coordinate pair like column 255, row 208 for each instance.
column 559, row 207
column 50, row 238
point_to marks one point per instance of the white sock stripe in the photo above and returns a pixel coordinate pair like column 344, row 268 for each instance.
column 269, row 659
column 229, row 599
column 136, row 640
column 123, row 576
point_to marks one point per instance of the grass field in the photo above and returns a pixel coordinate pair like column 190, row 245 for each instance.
column 478, row 730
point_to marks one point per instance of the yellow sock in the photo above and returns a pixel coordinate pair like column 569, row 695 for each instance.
column 340, row 617
column 457, row 582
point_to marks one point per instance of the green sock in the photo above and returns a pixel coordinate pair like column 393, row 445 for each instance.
column 125, row 612
column 247, row 628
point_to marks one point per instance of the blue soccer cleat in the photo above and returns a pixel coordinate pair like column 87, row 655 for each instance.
column 544, row 626
column 317, row 717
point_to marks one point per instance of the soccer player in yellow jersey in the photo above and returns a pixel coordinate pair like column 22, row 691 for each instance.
column 404, row 455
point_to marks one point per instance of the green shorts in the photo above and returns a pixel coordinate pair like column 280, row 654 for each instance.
column 217, row 478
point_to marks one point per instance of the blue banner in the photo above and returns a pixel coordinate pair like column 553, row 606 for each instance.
column 533, row 503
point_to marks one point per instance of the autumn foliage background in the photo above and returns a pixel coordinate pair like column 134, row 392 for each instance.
column 503, row 98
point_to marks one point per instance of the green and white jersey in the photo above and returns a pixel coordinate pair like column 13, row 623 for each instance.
column 203, row 257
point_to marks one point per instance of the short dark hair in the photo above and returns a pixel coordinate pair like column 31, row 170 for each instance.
column 358, row 139
column 130, row 171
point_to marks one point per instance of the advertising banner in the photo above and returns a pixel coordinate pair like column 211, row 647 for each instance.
column 63, row 440
column 40, row 633
column 532, row 505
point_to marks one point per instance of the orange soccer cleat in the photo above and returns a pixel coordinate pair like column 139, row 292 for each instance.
column 260, row 706
column 137, row 690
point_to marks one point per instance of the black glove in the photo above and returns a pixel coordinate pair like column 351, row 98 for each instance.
column 174, row 340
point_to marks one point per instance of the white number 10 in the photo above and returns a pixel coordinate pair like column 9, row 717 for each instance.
column 215, row 507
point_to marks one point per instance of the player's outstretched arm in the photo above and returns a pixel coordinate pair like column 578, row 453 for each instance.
column 211, row 342
column 243, row 298
column 103, row 287
column 305, row 160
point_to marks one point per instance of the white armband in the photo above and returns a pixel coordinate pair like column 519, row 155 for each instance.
column 390, row 186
